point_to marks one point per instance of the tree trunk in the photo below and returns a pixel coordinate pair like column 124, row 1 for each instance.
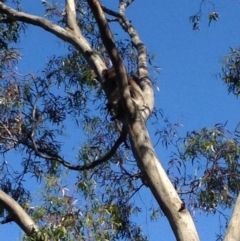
column 233, row 230
column 156, row 178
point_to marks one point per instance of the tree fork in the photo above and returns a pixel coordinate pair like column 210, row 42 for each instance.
column 158, row 181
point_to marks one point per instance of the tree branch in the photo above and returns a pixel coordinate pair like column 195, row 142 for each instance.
column 34, row 20
column 18, row 214
column 75, row 38
column 143, row 75
column 45, row 154
column 124, row 5
column 71, row 16
column 115, row 57
column 7, row 220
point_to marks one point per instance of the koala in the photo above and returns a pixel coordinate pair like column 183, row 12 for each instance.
column 114, row 104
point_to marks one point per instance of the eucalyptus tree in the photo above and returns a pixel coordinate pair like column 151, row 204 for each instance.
column 115, row 157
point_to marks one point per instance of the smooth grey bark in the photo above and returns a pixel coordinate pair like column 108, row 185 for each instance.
column 180, row 220
column 233, row 230
column 18, row 214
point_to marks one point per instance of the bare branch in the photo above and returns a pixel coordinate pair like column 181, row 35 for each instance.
column 8, row 131
column 111, row 12
column 34, row 20
column 18, row 214
column 105, row 32
column 123, row 5
column 45, row 154
column 71, row 16
column 7, row 220
column 127, row 26
column 74, row 38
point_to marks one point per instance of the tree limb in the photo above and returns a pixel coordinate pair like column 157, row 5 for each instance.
column 18, row 214
column 45, row 154
column 156, row 177
column 75, row 38
column 7, row 220
column 124, row 4
column 71, row 16
column 143, row 75
column 34, row 20
column 115, row 57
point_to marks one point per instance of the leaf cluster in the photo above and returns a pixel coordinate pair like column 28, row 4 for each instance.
column 214, row 153
column 231, row 71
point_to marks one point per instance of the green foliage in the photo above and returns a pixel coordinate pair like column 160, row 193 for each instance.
column 197, row 17
column 65, row 216
column 56, row 132
column 55, row 124
column 213, row 16
column 9, row 31
column 214, row 153
column 231, row 71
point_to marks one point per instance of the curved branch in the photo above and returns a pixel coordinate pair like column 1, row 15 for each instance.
column 107, row 156
column 137, row 43
column 18, row 214
column 40, row 152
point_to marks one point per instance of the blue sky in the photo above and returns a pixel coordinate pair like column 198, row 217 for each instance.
column 189, row 90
